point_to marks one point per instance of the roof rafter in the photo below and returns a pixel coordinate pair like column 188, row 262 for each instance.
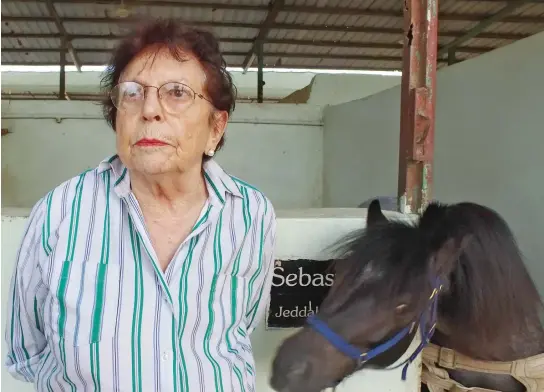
column 275, row 7
column 68, row 45
column 269, row 54
column 330, row 43
column 476, row 30
column 318, row 33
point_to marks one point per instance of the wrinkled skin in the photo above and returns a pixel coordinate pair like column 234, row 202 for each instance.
column 187, row 135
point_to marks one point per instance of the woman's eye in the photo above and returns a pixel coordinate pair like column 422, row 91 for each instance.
column 178, row 93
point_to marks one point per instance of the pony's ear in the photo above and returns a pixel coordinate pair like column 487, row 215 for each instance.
column 374, row 213
column 444, row 260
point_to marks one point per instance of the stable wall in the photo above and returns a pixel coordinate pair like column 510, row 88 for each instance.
column 336, row 89
column 489, row 142
column 278, row 84
column 300, row 234
column 326, row 89
column 280, row 152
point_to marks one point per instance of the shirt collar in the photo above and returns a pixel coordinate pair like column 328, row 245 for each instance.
column 218, row 182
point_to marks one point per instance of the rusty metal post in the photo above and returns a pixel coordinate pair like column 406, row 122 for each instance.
column 418, row 97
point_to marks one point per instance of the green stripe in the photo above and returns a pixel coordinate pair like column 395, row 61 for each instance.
column 237, row 180
column 183, row 310
column 141, row 312
column 65, row 273
column 242, row 332
column 12, row 326
column 234, row 292
column 102, row 266
column 23, row 346
column 175, row 369
column 137, row 311
column 229, row 329
column 252, row 312
column 41, row 368
column 217, row 259
column 203, row 219
column 37, row 315
column 182, row 300
column 46, row 228
column 250, row 369
column 100, row 288
column 95, row 366
column 50, row 377
column 246, row 210
column 157, row 270
column 218, row 194
column 121, row 177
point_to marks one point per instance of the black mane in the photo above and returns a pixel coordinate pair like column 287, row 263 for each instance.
column 393, row 251
column 490, row 291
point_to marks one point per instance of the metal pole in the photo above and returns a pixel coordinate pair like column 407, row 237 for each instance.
column 418, row 97
column 260, row 62
column 62, row 81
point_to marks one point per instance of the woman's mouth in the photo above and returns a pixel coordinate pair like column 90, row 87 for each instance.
column 150, row 143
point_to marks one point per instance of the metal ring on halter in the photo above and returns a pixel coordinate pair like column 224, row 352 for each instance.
column 362, row 360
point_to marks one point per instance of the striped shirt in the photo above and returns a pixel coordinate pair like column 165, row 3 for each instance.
column 90, row 308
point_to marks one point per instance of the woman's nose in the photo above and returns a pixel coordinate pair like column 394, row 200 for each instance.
column 151, row 108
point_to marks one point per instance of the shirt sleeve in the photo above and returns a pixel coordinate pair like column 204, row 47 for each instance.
column 260, row 293
column 24, row 336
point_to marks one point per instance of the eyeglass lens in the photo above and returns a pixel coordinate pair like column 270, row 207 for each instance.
column 174, row 96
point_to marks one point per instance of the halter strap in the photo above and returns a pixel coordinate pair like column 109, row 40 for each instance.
column 349, row 350
column 362, row 357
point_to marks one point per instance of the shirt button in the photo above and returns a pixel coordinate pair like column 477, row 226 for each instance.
column 164, row 356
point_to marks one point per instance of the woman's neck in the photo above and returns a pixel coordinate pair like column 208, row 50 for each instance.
column 169, row 192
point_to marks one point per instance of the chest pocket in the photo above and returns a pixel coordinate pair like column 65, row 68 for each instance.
column 85, row 303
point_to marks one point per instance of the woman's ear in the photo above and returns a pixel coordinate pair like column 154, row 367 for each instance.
column 218, row 124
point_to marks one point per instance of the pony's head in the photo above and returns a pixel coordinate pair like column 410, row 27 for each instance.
column 385, row 276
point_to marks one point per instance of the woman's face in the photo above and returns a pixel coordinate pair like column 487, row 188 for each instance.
column 157, row 136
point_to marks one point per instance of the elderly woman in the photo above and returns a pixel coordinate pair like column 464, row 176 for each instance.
column 149, row 272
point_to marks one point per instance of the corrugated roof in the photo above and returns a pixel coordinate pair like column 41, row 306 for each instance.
column 349, row 34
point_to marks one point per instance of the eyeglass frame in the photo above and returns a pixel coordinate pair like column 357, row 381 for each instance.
column 145, row 87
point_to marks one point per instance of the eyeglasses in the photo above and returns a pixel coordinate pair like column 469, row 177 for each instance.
column 174, row 97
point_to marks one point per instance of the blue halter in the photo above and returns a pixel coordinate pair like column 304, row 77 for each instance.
column 362, row 357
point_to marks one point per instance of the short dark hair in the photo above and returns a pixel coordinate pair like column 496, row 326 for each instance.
column 179, row 38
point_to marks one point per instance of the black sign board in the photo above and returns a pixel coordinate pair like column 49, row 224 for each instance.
column 298, row 288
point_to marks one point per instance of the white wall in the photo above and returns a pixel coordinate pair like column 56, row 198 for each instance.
column 326, row 88
column 336, row 89
column 360, row 144
column 489, row 142
column 278, row 84
column 321, row 227
column 280, row 152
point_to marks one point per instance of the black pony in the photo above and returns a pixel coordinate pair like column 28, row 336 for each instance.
column 456, row 275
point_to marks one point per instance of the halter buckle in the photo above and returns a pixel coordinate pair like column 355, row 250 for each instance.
column 361, row 360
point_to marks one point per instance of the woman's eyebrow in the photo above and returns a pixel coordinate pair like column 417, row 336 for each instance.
column 143, row 83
